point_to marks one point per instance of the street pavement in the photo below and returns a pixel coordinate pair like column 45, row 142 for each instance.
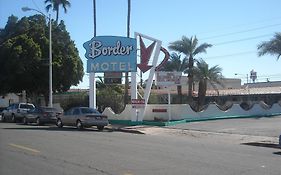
column 192, row 148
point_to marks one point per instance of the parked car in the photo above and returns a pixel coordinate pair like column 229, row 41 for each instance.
column 82, row 117
column 16, row 111
column 1, row 109
column 41, row 115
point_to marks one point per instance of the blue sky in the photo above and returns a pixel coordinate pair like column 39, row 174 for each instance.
column 234, row 27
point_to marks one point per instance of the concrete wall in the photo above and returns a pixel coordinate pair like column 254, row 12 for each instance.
column 8, row 99
column 229, row 83
column 179, row 112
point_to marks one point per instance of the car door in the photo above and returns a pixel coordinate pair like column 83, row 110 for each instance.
column 32, row 114
column 75, row 115
column 8, row 112
column 65, row 117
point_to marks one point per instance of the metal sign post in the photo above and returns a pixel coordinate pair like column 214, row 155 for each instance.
column 151, row 73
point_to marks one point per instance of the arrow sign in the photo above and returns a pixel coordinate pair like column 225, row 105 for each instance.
column 145, row 55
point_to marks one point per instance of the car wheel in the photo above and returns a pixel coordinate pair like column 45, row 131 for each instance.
column 100, row 128
column 59, row 123
column 25, row 121
column 38, row 122
column 13, row 118
column 79, row 125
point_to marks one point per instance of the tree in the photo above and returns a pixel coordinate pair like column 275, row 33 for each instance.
column 109, row 96
column 24, row 53
column 272, row 47
column 176, row 64
column 204, row 75
column 95, row 18
column 189, row 47
column 55, row 5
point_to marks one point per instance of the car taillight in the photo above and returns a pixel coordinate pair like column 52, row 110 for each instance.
column 45, row 114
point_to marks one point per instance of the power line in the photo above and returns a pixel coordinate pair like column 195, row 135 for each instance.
column 242, row 25
column 242, row 31
column 233, row 54
column 244, row 39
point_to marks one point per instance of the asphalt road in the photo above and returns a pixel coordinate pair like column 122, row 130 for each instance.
column 45, row 150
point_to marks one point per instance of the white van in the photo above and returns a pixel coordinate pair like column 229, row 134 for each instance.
column 16, row 111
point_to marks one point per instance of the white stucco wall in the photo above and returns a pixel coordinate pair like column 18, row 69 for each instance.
column 179, row 112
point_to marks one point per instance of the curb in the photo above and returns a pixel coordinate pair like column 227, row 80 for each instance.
column 125, row 130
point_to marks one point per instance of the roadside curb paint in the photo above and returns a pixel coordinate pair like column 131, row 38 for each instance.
column 175, row 122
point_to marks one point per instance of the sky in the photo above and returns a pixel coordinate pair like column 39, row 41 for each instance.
column 233, row 27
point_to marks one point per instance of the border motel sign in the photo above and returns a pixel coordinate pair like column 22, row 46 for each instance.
column 111, row 54
column 119, row 54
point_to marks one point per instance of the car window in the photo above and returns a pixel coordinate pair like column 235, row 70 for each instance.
column 68, row 112
column 16, row 106
column 26, row 106
column 76, row 111
column 89, row 111
column 33, row 110
column 49, row 109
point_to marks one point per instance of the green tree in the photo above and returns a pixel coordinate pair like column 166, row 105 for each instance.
column 205, row 75
column 55, row 6
column 176, row 64
column 272, row 47
column 109, row 96
column 190, row 48
column 24, row 53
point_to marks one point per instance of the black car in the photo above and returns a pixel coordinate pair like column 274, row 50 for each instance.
column 41, row 115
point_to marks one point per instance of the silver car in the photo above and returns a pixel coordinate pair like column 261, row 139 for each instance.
column 82, row 117
column 16, row 111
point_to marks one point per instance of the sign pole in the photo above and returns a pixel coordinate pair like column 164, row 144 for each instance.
column 92, row 91
column 134, row 113
column 169, row 103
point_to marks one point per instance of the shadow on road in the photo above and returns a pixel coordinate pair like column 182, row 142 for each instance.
column 262, row 144
column 54, row 128
column 277, row 153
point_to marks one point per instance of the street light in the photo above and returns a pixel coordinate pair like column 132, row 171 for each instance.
column 50, row 53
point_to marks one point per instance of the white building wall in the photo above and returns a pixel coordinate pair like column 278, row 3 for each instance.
column 185, row 112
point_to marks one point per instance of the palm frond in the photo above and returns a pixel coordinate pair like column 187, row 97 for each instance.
column 202, row 48
column 272, row 47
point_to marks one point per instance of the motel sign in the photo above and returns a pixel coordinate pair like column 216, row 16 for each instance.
column 111, row 54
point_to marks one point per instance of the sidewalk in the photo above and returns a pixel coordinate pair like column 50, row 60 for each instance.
column 264, row 130
column 138, row 129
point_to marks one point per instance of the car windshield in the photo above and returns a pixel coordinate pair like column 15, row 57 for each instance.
column 89, row 111
column 26, row 106
column 46, row 109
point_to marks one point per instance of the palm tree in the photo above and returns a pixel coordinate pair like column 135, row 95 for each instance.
column 272, row 47
column 205, row 75
column 176, row 64
column 55, row 5
column 126, row 95
column 95, row 18
column 189, row 47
